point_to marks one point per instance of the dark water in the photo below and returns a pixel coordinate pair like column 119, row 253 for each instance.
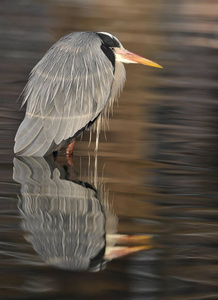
column 155, row 177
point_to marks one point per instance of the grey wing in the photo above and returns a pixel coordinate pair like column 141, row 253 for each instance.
column 65, row 92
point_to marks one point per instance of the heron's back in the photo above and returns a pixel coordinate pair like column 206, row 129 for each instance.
column 66, row 91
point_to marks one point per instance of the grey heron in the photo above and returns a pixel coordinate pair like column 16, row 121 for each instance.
column 77, row 79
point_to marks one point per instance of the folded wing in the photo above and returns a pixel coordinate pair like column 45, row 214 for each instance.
column 67, row 89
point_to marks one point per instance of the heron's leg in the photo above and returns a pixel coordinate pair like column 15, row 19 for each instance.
column 70, row 165
column 69, row 149
column 70, row 162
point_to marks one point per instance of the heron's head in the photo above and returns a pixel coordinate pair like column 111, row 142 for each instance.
column 115, row 51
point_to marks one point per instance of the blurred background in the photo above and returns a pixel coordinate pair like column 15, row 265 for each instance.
column 156, row 170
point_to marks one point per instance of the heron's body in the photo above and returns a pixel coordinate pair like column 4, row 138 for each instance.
column 73, row 83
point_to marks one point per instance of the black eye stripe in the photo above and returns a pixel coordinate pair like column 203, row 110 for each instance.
column 109, row 53
column 108, row 41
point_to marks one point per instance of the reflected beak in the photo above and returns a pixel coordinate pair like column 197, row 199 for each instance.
column 128, row 57
column 116, row 252
column 113, row 251
column 118, row 239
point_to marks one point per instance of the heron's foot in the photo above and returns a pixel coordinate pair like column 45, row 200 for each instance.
column 69, row 150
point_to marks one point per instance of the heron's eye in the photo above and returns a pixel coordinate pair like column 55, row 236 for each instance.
column 112, row 48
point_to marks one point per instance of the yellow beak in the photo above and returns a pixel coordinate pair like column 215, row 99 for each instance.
column 126, row 56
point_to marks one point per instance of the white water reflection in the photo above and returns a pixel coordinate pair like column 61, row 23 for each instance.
column 70, row 224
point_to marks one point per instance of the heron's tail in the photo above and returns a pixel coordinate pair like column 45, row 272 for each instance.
column 30, row 139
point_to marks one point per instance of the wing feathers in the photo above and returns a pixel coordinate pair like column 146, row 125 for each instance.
column 67, row 89
column 27, row 132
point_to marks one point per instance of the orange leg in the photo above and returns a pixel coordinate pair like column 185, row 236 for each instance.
column 69, row 149
column 69, row 152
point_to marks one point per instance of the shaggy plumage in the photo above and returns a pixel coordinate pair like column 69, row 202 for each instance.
column 67, row 90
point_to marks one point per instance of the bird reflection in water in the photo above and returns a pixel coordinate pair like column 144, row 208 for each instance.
column 69, row 223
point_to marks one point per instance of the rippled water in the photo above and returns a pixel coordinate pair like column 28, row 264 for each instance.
column 151, row 189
